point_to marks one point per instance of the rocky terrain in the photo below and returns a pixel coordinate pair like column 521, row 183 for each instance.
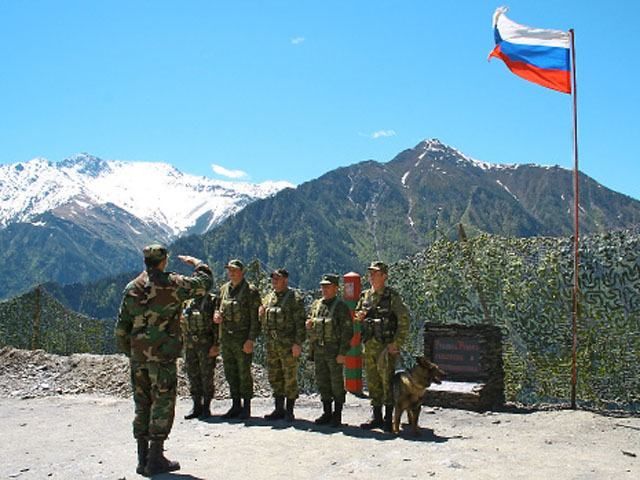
column 34, row 373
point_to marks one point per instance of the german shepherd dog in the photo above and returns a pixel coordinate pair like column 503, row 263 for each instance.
column 409, row 388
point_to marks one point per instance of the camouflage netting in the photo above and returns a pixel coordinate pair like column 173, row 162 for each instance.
column 524, row 286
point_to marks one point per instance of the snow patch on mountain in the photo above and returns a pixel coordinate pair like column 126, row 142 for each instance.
column 157, row 193
column 440, row 151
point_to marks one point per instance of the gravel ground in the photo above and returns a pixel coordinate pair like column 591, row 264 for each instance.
column 69, row 418
column 35, row 373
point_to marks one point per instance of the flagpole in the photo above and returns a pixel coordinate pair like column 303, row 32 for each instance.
column 576, row 233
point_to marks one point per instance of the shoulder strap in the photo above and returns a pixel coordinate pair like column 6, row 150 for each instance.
column 286, row 297
column 333, row 307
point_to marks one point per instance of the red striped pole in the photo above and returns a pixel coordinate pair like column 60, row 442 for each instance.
column 353, row 360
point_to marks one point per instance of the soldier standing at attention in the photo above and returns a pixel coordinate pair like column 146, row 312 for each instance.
column 200, row 337
column 148, row 332
column 330, row 332
column 283, row 324
column 386, row 326
column 238, row 314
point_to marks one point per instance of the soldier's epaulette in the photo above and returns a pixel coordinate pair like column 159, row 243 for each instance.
column 136, row 286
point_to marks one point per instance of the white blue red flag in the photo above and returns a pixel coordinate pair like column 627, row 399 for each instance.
column 538, row 55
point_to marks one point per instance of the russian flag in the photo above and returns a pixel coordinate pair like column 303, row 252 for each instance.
column 538, row 55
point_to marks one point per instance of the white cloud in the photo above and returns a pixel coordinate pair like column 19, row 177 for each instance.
column 383, row 133
column 225, row 172
column 297, row 40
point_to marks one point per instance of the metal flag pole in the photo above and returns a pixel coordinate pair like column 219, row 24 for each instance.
column 576, row 233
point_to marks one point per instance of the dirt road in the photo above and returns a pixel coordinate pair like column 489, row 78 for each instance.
column 88, row 437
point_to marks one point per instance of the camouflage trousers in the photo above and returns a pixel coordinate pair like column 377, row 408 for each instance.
column 154, row 386
column 329, row 375
column 200, row 368
column 237, row 367
column 282, row 368
column 379, row 369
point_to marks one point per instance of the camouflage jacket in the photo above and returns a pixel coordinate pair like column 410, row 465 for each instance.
column 386, row 304
column 148, row 326
column 197, row 320
column 331, row 325
column 239, row 308
column 284, row 318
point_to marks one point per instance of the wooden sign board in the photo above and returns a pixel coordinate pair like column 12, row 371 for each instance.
column 458, row 356
column 471, row 357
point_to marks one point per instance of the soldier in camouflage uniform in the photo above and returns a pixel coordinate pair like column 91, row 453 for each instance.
column 200, row 341
column 330, row 332
column 148, row 332
column 385, row 329
column 283, row 323
column 238, row 314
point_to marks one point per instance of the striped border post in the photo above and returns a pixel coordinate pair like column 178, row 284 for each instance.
column 353, row 360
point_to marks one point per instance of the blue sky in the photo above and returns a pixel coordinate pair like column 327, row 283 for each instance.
column 292, row 89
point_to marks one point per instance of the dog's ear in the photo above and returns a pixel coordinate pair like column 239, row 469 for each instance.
column 437, row 373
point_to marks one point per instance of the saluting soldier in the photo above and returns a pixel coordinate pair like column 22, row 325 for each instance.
column 283, row 323
column 148, row 332
column 200, row 341
column 238, row 314
column 330, row 332
column 386, row 326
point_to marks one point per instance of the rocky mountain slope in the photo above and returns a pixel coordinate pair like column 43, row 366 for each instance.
column 342, row 220
column 86, row 218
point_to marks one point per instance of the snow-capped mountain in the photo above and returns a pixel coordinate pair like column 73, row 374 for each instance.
column 166, row 199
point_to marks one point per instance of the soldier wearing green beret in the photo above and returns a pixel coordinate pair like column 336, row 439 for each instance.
column 283, row 323
column 385, row 320
column 238, row 316
column 330, row 332
column 148, row 332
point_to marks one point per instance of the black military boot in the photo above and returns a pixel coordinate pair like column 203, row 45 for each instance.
column 196, row 411
column 246, row 409
column 157, row 462
column 325, row 418
column 206, row 408
column 278, row 412
column 375, row 422
column 143, row 455
column 235, row 409
column 336, row 418
column 288, row 415
column 388, row 418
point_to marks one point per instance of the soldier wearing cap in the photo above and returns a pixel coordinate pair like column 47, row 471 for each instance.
column 283, row 323
column 385, row 329
column 148, row 332
column 330, row 332
column 238, row 316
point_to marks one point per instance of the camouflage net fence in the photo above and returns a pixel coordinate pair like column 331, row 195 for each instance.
column 524, row 286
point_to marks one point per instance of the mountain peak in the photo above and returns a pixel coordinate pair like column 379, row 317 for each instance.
column 169, row 199
column 85, row 164
column 432, row 144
